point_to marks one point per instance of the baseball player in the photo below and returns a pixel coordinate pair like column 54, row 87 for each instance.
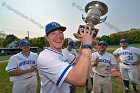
column 102, row 63
column 54, row 64
column 70, row 47
column 91, row 73
column 22, row 69
column 128, row 62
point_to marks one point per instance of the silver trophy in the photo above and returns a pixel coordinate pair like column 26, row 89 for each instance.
column 94, row 10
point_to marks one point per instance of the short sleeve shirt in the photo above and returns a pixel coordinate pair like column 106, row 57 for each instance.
column 20, row 62
column 53, row 68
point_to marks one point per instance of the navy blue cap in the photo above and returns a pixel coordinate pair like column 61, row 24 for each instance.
column 53, row 26
column 103, row 42
column 123, row 40
column 71, row 44
column 23, row 43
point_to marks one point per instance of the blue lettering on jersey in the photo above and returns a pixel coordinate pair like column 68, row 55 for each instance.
column 125, row 53
column 104, row 60
column 27, row 62
column 129, row 55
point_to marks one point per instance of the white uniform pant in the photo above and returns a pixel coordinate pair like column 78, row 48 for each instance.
column 129, row 72
column 25, row 86
column 102, row 84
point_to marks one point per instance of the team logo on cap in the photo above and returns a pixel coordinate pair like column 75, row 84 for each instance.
column 55, row 24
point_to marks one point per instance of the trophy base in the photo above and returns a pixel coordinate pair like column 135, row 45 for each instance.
column 77, row 35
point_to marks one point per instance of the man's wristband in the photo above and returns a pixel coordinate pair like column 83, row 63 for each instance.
column 87, row 45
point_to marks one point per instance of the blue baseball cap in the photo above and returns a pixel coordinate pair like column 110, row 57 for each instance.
column 103, row 42
column 71, row 44
column 53, row 26
column 123, row 40
column 23, row 43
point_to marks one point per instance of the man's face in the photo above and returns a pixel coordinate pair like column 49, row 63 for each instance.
column 55, row 39
column 25, row 48
column 123, row 44
column 102, row 47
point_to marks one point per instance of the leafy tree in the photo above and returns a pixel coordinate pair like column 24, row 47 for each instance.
column 66, row 42
column 1, row 42
column 106, row 38
column 38, row 42
column 114, row 38
column 9, row 39
column 77, row 44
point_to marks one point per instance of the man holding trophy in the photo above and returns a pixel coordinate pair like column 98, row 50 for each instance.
column 55, row 71
column 94, row 10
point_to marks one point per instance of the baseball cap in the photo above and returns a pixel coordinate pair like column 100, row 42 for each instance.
column 23, row 43
column 103, row 42
column 53, row 26
column 71, row 44
column 123, row 40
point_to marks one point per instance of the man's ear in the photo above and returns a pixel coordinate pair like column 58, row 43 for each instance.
column 46, row 38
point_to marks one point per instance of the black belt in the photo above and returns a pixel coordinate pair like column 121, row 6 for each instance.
column 101, row 75
column 29, row 77
column 127, row 64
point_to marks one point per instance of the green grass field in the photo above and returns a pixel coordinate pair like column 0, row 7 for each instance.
column 6, row 85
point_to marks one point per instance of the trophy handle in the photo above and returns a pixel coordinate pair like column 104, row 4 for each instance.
column 102, row 20
column 83, row 18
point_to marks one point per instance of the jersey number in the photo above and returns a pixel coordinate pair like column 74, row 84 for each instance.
column 130, row 57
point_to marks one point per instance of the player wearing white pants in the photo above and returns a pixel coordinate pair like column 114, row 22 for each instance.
column 102, row 63
column 127, row 56
column 21, row 86
column 22, row 69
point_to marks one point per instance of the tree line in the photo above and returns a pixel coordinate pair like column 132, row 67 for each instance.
column 133, row 36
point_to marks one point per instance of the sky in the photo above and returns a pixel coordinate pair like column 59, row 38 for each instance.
column 19, row 17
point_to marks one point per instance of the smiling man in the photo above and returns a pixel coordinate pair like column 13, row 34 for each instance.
column 102, row 62
column 22, row 69
column 55, row 65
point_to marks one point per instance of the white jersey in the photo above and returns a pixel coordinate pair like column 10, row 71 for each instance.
column 105, row 62
column 91, row 71
column 73, row 51
column 128, row 55
column 53, row 68
column 20, row 62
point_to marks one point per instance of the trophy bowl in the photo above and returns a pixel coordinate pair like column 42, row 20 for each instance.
column 94, row 10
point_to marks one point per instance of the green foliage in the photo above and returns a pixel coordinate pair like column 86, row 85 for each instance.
column 115, row 38
column 66, row 42
column 133, row 36
column 9, row 39
column 77, row 44
column 1, row 42
column 40, row 42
